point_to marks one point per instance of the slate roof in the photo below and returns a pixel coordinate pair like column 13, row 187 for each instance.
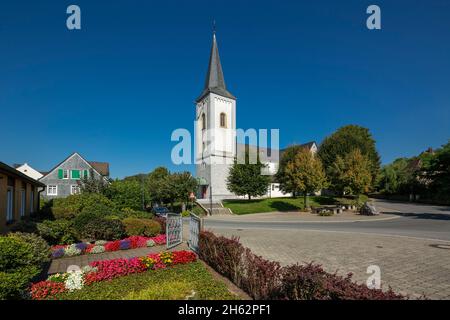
column 215, row 81
column 101, row 167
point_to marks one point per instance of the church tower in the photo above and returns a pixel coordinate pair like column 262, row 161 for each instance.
column 215, row 131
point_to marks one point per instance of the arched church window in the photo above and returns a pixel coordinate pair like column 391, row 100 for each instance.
column 223, row 120
column 203, row 122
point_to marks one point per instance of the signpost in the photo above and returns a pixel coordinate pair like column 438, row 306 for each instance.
column 174, row 230
column 195, row 226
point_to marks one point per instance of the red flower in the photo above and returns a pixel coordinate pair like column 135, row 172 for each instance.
column 46, row 289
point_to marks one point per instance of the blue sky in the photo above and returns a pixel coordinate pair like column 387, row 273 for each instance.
column 116, row 89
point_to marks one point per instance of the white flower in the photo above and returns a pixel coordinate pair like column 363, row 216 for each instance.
column 150, row 243
column 75, row 281
column 72, row 250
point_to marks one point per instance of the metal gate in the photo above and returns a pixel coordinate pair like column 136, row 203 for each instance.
column 174, row 230
column 195, row 226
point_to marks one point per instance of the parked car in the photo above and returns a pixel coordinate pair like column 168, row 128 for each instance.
column 161, row 211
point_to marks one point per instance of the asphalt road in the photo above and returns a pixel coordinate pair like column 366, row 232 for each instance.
column 415, row 220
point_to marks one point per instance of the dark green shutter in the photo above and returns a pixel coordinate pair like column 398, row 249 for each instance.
column 60, row 173
column 85, row 173
column 75, row 174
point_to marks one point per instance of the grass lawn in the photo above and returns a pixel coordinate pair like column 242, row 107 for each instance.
column 282, row 204
column 174, row 283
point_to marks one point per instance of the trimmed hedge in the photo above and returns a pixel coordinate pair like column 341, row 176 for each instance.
column 162, row 223
column 141, row 227
column 263, row 279
column 103, row 229
column 57, row 231
column 41, row 252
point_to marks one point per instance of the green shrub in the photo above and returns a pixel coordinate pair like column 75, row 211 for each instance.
column 103, row 229
column 25, row 225
column 57, row 232
column 40, row 249
column 68, row 208
column 82, row 219
column 16, row 267
column 141, row 227
column 131, row 213
column 13, row 285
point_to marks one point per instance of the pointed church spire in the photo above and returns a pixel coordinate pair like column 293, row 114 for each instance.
column 215, row 81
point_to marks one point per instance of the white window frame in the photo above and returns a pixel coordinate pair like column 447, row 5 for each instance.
column 23, row 202
column 72, row 187
column 64, row 173
column 10, row 204
column 55, row 187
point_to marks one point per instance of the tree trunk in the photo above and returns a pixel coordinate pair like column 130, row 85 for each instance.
column 183, row 206
column 306, row 200
column 249, row 197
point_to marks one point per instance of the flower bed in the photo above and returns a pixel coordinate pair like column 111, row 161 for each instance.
column 107, row 270
column 100, row 246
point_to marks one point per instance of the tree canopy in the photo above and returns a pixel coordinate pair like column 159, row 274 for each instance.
column 304, row 173
column 246, row 179
column 342, row 142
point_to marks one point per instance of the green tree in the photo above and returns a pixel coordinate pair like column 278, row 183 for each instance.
column 182, row 184
column 245, row 179
column 396, row 177
column 288, row 155
column 93, row 183
column 159, row 185
column 438, row 172
column 127, row 194
column 304, row 174
column 352, row 173
column 343, row 142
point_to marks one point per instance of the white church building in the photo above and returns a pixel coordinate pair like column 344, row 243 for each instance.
column 216, row 145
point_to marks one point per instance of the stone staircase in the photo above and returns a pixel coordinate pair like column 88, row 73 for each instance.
column 216, row 206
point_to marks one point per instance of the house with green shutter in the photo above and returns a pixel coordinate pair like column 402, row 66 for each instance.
column 64, row 179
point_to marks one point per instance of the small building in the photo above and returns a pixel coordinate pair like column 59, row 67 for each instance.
column 19, row 196
column 29, row 171
column 63, row 180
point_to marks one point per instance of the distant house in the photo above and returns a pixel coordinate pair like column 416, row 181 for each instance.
column 19, row 196
column 29, row 171
column 63, row 179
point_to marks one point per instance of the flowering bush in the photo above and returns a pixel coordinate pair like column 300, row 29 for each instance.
column 81, row 246
column 72, row 250
column 46, row 289
column 148, row 262
column 166, row 258
column 58, row 253
column 97, row 249
column 106, row 270
column 102, row 246
column 58, row 277
column 74, row 281
column 125, row 244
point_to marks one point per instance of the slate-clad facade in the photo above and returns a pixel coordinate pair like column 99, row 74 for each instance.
column 63, row 180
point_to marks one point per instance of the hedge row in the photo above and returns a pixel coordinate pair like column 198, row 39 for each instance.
column 267, row 280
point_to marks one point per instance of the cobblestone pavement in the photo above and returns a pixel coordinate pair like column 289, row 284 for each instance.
column 61, row 265
column 346, row 216
column 408, row 265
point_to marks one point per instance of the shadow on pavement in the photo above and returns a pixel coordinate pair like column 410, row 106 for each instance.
column 433, row 216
